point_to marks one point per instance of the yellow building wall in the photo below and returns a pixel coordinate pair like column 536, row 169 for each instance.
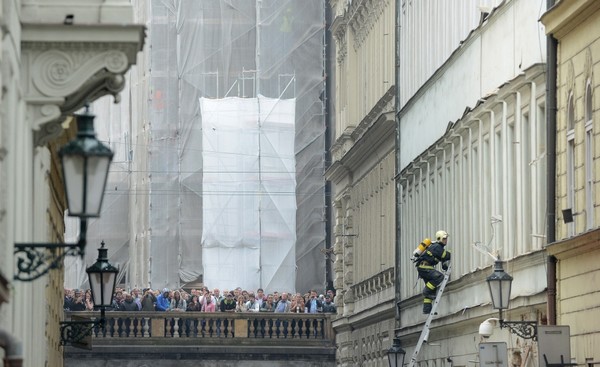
column 576, row 26
column 578, row 61
column 55, row 287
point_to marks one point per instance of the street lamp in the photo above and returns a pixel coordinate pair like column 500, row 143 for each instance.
column 396, row 354
column 102, row 277
column 500, row 284
column 85, row 161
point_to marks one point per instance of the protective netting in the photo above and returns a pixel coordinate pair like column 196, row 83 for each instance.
column 236, row 151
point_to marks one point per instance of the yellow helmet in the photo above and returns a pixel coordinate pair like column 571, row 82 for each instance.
column 440, row 235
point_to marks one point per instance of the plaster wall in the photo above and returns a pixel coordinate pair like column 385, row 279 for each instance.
column 509, row 42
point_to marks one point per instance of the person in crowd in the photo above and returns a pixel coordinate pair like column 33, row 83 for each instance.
column 89, row 304
column 68, row 299
column 118, row 299
column 252, row 305
column 137, row 297
column 148, row 301
column 209, row 304
column 298, row 305
column 162, row 301
column 228, row 304
column 268, row 305
column 128, row 303
column 284, row 304
column 217, row 296
column 331, row 294
column 260, row 296
column 194, row 304
column 177, row 303
column 241, row 304
column 205, row 293
column 328, row 305
column 313, row 305
column 78, row 303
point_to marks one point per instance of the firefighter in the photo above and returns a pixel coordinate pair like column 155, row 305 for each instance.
column 426, row 262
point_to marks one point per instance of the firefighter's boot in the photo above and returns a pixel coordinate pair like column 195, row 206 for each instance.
column 427, row 304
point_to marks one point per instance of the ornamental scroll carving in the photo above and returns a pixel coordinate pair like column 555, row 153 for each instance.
column 60, row 73
column 62, row 78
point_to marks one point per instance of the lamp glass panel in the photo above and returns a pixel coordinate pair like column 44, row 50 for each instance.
column 500, row 292
column 505, row 293
column 393, row 359
column 97, row 171
column 73, row 171
column 96, row 288
column 109, row 287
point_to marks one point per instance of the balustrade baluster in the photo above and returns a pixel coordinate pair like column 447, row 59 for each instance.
column 146, row 327
column 251, row 328
column 176, row 327
column 112, row 327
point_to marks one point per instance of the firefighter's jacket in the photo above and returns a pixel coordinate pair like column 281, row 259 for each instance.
column 434, row 254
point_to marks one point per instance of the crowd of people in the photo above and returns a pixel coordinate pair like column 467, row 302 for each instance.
column 205, row 300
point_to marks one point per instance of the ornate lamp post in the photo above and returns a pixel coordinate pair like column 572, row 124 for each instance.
column 102, row 276
column 396, row 354
column 85, row 161
column 500, row 285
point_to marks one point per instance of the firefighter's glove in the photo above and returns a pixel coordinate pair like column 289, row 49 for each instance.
column 445, row 265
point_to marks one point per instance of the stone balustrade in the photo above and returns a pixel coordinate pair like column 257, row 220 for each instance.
column 211, row 325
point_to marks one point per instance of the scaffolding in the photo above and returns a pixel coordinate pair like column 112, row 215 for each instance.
column 235, row 157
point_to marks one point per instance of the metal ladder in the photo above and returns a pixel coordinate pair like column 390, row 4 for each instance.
column 425, row 332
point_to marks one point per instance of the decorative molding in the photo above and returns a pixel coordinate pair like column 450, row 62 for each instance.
column 570, row 80
column 65, row 67
column 589, row 64
column 364, row 16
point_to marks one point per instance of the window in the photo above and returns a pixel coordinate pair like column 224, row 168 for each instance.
column 570, row 160
column 589, row 159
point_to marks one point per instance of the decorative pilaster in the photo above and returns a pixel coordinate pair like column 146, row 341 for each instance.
column 338, row 251
column 348, row 255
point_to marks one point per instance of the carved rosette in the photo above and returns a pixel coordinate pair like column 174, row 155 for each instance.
column 62, row 77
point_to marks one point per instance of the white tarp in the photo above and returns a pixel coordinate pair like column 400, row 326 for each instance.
column 249, row 199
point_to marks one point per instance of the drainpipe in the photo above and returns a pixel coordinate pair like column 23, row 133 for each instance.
column 397, row 159
column 551, row 62
column 13, row 349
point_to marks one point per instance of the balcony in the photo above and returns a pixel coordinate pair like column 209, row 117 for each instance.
column 147, row 337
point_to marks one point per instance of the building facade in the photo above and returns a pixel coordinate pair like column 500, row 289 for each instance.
column 55, row 58
column 575, row 25
column 472, row 161
column 361, row 174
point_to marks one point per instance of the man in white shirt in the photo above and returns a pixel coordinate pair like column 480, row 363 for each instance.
column 252, row 305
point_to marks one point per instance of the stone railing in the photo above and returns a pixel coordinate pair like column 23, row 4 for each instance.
column 210, row 326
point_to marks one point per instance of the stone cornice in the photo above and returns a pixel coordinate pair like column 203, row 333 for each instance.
column 582, row 244
column 566, row 15
column 67, row 66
